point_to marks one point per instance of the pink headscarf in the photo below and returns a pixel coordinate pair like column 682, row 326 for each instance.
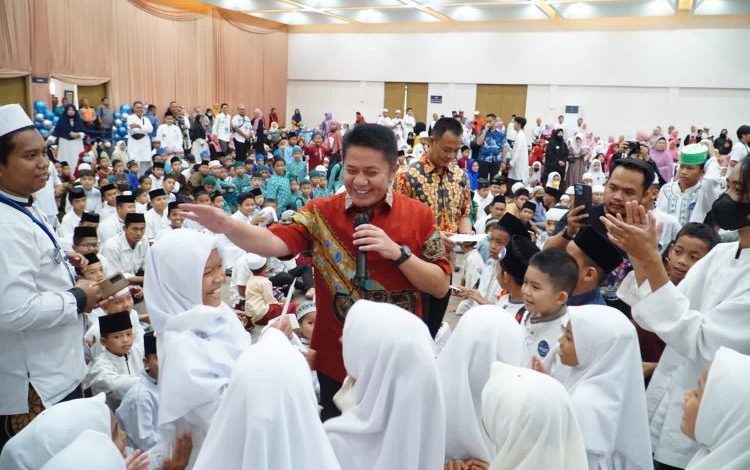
column 663, row 160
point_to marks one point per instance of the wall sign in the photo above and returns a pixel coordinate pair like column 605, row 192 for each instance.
column 436, row 99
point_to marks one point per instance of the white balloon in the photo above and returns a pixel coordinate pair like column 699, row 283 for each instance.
column 47, row 124
column 39, row 117
column 118, row 122
column 124, row 116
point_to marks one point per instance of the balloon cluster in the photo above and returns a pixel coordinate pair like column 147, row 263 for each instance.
column 44, row 119
column 120, row 128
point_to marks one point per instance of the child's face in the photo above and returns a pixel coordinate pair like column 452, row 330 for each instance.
column 168, row 185
column 219, row 202
column 169, row 120
column 146, row 184
column 297, row 156
column 151, row 364
column 306, row 190
column 551, row 226
column 203, row 170
column 134, row 232
column 539, row 295
column 176, row 167
column 294, row 185
column 495, row 189
column 119, row 169
column 568, row 347
column 526, row 215
column 474, row 166
column 213, row 279
column 239, row 171
column 159, row 203
column 203, row 199
column 259, row 200
column 119, row 342
column 689, row 175
column 78, row 204
column 93, row 272
column 87, row 246
column 142, row 198
column 158, row 172
column 256, row 182
column 587, row 181
column 466, row 153
column 119, row 303
column 692, row 405
column 483, row 192
column 278, row 167
column 597, row 198
column 684, row 253
column 498, row 240
column 216, row 171
column 247, row 207
column 306, row 325
column 87, row 182
column 317, row 140
column 497, row 210
column 176, row 219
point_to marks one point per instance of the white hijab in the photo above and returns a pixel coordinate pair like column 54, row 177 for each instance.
column 173, row 279
column 529, row 417
column 53, row 430
column 399, row 416
column 607, row 388
column 268, row 418
column 92, row 450
column 723, row 424
column 483, row 336
column 598, row 177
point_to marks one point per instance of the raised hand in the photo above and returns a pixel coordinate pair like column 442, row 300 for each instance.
column 213, row 218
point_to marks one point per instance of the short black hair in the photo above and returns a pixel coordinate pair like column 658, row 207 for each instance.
column 634, row 164
column 142, row 178
column 7, row 145
column 559, row 266
column 521, row 121
column 83, row 173
column 700, row 231
column 444, row 125
column 150, row 107
column 375, row 137
column 743, row 130
column 244, row 196
column 491, row 115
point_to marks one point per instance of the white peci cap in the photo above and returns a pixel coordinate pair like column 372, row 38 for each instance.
column 12, row 118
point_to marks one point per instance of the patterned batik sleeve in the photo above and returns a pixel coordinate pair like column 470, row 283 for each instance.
column 465, row 202
column 402, row 184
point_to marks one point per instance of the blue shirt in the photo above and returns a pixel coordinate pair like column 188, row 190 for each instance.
column 492, row 149
column 592, row 297
column 154, row 123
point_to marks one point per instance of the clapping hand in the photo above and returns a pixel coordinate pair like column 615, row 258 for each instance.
column 637, row 234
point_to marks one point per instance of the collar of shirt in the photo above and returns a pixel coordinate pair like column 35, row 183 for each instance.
column 592, row 297
column 388, row 199
column 430, row 167
column 25, row 202
column 548, row 318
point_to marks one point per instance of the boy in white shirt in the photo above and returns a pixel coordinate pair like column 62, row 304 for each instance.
column 511, row 271
column 550, row 279
column 157, row 175
column 93, row 195
column 139, row 409
column 156, row 217
column 472, row 265
column 170, row 134
column 118, row 367
column 71, row 219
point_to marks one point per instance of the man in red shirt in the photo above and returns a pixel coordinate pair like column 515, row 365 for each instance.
column 405, row 253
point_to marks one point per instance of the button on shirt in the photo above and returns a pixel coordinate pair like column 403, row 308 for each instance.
column 446, row 191
column 40, row 329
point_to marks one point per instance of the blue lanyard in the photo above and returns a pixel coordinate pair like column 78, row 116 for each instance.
column 41, row 225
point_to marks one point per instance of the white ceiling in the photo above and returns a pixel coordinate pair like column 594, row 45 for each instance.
column 302, row 12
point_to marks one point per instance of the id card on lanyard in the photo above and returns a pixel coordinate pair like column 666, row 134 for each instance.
column 58, row 255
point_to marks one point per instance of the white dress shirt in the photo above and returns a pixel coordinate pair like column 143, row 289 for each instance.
column 155, row 223
column 114, row 375
column 138, row 413
column 139, row 149
column 221, row 127
column 121, row 257
column 110, row 227
column 243, row 123
column 40, row 329
column 170, row 137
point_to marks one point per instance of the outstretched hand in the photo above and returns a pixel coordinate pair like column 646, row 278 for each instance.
column 213, row 218
column 636, row 234
column 137, row 460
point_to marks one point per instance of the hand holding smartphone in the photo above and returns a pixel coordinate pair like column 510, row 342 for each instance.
column 582, row 197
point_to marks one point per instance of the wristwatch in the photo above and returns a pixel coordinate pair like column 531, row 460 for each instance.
column 405, row 255
column 566, row 236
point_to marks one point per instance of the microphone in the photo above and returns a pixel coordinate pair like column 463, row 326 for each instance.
column 361, row 275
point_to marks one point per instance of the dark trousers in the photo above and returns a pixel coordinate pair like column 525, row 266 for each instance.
column 488, row 170
column 328, row 388
column 8, row 427
column 304, row 276
column 663, row 466
column 433, row 311
column 240, row 149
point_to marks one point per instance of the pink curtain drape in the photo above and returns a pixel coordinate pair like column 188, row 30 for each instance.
column 15, row 37
column 151, row 50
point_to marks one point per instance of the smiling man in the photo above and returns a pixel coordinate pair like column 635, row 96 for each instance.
column 405, row 253
column 40, row 327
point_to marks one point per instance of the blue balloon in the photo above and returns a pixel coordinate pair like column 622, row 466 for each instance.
column 55, row 118
column 117, row 115
column 49, row 115
column 40, row 106
column 39, row 125
column 125, row 108
column 44, row 132
column 122, row 130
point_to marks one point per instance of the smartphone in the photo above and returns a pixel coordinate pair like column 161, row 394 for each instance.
column 583, row 198
column 112, row 285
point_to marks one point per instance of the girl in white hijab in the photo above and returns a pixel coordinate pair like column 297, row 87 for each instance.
column 398, row 416
column 120, row 152
column 597, row 175
column 483, row 336
column 553, row 180
column 199, row 337
column 92, row 450
column 722, row 405
column 268, row 419
column 605, row 382
column 53, row 430
column 530, row 420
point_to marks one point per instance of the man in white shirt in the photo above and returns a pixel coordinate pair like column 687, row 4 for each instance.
column 170, row 135
column 40, row 325
column 397, row 124
column 139, row 140
column 384, row 120
column 409, row 122
column 222, row 127
column 519, row 159
column 156, row 217
column 510, row 135
column 126, row 252
column 241, row 133
column 124, row 204
column 538, row 130
column 740, row 148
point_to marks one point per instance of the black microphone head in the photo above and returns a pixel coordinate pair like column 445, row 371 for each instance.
column 360, row 219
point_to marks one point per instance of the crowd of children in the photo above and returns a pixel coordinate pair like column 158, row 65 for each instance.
column 576, row 345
